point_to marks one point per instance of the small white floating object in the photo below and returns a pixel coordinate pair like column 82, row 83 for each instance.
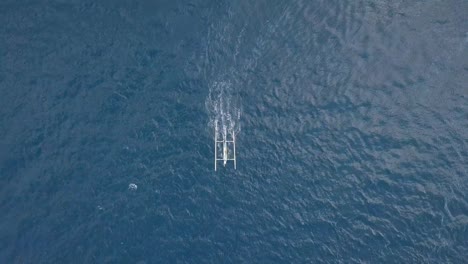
column 132, row 187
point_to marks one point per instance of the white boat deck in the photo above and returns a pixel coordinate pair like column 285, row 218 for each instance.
column 225, row 145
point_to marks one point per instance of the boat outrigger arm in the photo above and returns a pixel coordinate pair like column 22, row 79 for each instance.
column 226, row 151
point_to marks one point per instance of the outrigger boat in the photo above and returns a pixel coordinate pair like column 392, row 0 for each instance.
column 225, row 151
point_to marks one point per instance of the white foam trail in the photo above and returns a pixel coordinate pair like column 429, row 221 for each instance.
column 223, row 106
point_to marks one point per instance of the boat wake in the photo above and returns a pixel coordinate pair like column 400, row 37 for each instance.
column 223, row 106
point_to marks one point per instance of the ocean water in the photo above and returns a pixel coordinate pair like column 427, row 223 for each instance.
column 350, row 116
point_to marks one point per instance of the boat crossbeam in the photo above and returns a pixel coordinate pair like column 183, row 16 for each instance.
column 228, row 147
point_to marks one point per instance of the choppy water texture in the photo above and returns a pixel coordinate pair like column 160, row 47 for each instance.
column 352, row 131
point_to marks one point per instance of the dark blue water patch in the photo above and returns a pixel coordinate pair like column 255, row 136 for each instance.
column 352, row 145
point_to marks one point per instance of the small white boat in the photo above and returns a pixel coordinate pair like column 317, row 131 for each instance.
column 225, row 150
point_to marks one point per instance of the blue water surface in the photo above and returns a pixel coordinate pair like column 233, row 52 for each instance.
column 353, row 144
